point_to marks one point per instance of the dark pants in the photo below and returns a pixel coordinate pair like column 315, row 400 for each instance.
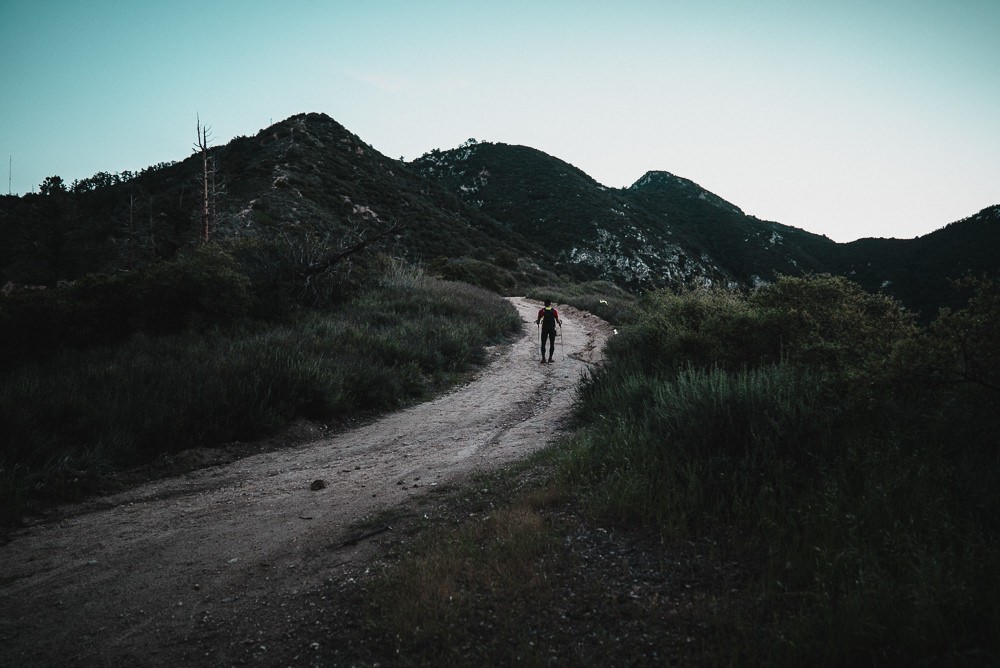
column 549, row 334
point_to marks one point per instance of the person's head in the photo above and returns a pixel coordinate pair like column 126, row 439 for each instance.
column 548, row 302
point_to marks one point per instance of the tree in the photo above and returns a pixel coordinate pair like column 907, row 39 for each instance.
column 202, row 146
column 52, row 185
column 962, row 346
column 355, row 241
column 96, row 182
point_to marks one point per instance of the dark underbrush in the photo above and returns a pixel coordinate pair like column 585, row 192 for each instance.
column 797, row 476
column 200, row 365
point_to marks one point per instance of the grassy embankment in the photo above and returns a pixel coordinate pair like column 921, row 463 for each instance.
column 116, row 372
column 843, row 458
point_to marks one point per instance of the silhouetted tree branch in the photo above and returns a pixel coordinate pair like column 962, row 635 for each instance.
column 329, row 260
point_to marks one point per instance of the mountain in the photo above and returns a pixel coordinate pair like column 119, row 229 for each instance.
column 662, row 230
column 496, row 214
column 667, row 230
column 747, row 249
column 919, row 271
column 306, row 176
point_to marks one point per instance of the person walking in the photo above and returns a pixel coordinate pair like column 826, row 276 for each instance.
column 549, row 318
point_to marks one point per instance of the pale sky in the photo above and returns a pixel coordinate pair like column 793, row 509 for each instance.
column 849, row 118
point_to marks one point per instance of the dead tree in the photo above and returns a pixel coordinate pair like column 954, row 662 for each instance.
column 131, row 228
column 202, row 147
column 363, row 239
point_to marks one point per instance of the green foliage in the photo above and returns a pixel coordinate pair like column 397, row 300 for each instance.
column 475, row 272
column 700, row 327
column 853, row 453
column 206, row 287
column 200, row 289
column 432, row 599
column 76, row 415
column 830, row 323
column 52, row 185
column 699, row 441
column 824, row 323
column 282, row 282
column 961, row 347
column 603, row 299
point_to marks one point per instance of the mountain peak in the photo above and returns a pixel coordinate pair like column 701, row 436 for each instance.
column 658, row 177
column 661, row 182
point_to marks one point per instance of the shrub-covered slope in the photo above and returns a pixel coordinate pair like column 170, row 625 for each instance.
column 666, row 230
column 497, row 215
column 663, row 230
column 305, row 177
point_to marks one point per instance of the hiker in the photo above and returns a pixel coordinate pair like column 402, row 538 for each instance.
column 548, row 316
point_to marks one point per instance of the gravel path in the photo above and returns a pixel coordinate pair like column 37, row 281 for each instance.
column 149, row 576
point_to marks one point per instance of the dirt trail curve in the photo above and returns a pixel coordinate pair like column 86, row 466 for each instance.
column 135, row 576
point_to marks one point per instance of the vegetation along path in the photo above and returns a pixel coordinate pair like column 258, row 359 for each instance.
column 153, row 575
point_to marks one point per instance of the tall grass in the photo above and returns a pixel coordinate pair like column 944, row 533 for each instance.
column 70, row 418
column 601, row 298
column 677, row 448
column 861, row 487
column 429, row 607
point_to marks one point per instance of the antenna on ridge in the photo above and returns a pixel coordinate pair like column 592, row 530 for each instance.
column 10, row 168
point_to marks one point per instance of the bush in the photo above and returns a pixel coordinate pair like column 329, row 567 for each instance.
column 475, row 272
column 601, row 298
column 703, row 441
column 829, row 323
column 206, row 287
column 852, row 454
column 97, row 410
column 203, row 289
column 710, row 327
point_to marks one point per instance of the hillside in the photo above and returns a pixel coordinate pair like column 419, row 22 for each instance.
column 917, row 271
column 305, row 177
column 666, row 230
column 490, row 213
column 793, row 475
column 663, row 230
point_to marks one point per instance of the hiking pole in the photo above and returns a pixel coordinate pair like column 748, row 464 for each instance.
column 562, row 350
column 538, row 331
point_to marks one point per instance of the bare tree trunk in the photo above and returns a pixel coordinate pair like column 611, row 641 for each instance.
column 202, row 146
column 152, row 232
column 215, row 194
column 131, row 228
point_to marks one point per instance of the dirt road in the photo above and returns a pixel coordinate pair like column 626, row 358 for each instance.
column 145, row 577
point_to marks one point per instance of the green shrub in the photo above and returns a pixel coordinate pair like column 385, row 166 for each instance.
column 708, row 327
column 709, row 430
column 852, row 454
column 206, row 287
column 475, row 272
column 198, row 290
column 116, row 406
column 823, row 323
column 829, row 323
column 601, row 298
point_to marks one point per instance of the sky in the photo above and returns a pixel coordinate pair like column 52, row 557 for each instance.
column 847, row 118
